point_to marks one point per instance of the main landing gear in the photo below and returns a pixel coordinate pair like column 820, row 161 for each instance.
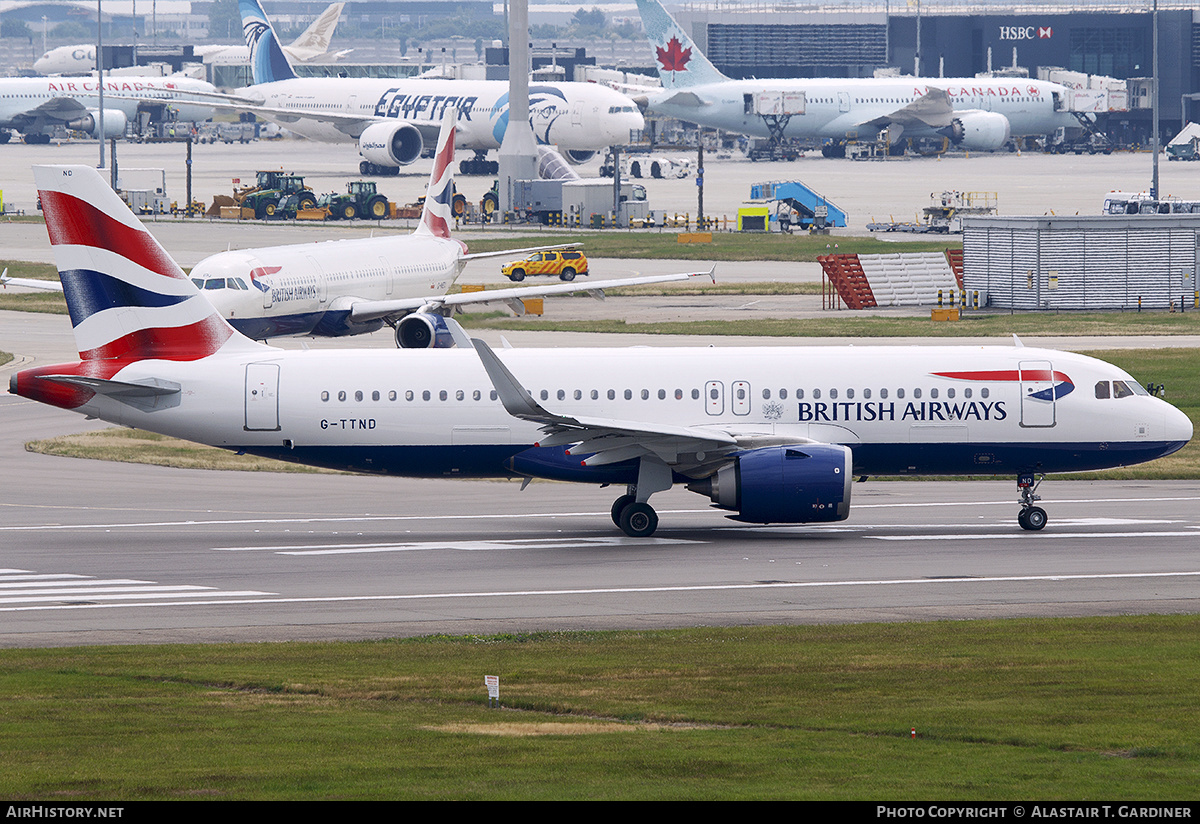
column 1030, row 517
column 632, row 512
column 637, row 520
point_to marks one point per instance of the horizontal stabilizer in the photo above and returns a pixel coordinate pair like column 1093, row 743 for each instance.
column 147, row 395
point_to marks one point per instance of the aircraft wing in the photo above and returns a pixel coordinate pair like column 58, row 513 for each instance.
column 933, row 109
column 366, row 310
column 605, row 440
column 683, row 99
column 30, row 283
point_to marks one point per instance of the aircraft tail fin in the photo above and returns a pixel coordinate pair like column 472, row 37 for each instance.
column 314, row 42
column 127, row 298
column 268, row 63
column 680, row 63
column 437, row 216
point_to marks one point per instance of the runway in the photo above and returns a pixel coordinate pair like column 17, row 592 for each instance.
column 104, row 553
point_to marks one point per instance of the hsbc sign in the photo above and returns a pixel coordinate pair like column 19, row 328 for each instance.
column 1026, row 32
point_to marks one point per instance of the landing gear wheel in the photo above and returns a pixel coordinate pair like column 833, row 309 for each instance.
column 1032, row 519
column 638, row 520
column 619, row 506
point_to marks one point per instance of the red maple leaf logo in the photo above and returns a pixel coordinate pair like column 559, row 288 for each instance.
column 673, row 58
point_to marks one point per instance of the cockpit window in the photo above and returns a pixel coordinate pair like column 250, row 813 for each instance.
column 1102, row 390
column 215, row 283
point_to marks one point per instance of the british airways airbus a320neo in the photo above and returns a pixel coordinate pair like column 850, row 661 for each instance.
column 773, row 435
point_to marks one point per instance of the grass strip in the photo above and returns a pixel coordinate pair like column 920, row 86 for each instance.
column 846, row 325
column 725, row 246
column 1018, row 709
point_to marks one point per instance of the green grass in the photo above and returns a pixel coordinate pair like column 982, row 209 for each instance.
column 726, row 246
column 48, row 302
column 850, row 325
column 135, row 446
column 1046, row 709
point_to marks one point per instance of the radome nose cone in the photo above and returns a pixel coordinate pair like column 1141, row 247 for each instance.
column 1178, row 426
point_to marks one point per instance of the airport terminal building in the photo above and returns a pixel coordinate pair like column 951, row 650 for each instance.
column 961, row 40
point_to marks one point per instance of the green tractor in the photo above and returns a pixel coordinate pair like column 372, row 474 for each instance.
column 360, row 201
column 491, row 202
column 275, row 192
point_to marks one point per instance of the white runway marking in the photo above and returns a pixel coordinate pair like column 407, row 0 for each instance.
column 469, row 546
column 350, row 519
column 1038, row 536
column 536, row 593
column 19, row 586
column 365, row 519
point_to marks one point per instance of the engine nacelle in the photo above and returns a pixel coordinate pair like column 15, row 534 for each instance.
column 114, row 123
column 981, row 131
column 424, row 330
column 390, row 144
column 783, row 484
column 578, row 156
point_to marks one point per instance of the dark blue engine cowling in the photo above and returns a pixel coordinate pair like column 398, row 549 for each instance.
column 784, row 484
column 424, row 330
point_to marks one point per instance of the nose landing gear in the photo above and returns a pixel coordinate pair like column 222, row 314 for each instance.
column 1030, row 517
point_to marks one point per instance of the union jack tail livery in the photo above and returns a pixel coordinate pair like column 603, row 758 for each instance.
column 268, row 63
column 680, row 64
column 127, row 298
column 437, row 216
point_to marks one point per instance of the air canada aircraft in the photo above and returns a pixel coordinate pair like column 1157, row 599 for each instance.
column 772, row 435
column 352, row 287
column 391, row 120
column 35, row 106
column 972, row 113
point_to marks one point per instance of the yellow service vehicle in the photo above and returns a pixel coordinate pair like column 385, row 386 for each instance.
column 565, row 264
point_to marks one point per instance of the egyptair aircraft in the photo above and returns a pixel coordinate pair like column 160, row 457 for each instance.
column 392, row 120
column 973, row 113
column 352, row 287
column 772, row 435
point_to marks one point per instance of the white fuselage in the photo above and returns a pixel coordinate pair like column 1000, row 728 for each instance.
column 582, row 116
column 21, row 96
column 835, row 108
column 901, row 410
column 299, row 289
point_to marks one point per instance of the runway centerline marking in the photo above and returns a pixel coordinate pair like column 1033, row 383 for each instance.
column 535, row 593
column 364, row 519
column 464, row 545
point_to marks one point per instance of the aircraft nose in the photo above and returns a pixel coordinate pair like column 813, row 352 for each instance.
column 1178, row 426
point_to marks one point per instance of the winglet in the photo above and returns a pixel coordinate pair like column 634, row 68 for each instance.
column 517, row 400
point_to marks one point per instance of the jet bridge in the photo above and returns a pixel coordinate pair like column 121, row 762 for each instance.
column 813, row 209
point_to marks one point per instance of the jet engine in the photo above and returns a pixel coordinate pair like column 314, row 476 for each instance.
column 114, row 123
column 981, row 131
column 424, row 330
column 390, row 144
column 578, row 156
column 796, row 484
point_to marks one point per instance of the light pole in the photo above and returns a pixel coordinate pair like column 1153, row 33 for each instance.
column 100, row 79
